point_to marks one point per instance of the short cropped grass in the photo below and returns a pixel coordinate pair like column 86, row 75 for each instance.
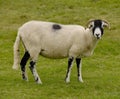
column 101, row 72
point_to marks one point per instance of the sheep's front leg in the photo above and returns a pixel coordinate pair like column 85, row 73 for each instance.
column 34, row 72
column 70, row 61
column 79, row 66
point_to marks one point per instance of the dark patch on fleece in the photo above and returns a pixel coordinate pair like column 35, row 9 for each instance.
column 56, row 26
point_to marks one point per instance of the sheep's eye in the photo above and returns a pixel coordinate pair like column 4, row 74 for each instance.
column 91, row 25
column 104, row 25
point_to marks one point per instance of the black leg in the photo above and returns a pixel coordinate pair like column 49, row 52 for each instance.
column 32, row 64
column 34, row 72
column 78, row 63
column 70, row 61
column 23, row 63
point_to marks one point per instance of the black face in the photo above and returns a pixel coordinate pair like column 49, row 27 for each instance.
column 98, row 24
column 97, row 28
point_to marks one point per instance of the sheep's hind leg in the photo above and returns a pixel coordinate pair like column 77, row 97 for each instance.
column 70, row 61
column 23, row 63
column 34, row 72
column 79, row 66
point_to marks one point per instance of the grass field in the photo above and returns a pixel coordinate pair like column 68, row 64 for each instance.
column 101, row 72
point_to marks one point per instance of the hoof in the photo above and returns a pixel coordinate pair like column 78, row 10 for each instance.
column 67, row 80
column 24, row 77
column 80, row 80
column 38, row 81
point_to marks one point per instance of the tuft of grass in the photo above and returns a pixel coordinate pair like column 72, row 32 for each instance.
column 100, row 71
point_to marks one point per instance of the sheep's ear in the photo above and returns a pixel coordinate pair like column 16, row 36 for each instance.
column 105, row 24
column 90, row 23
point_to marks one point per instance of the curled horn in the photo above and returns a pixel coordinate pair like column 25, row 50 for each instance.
column 88, row 24
column 106, row 24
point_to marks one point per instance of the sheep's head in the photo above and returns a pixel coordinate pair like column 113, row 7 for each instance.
column 97, row 27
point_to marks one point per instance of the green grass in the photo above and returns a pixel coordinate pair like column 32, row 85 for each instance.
column 101, row 72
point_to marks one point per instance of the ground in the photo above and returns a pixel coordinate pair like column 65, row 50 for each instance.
column 100, row 71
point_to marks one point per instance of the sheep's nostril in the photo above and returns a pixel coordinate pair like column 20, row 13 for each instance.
column 97, row 35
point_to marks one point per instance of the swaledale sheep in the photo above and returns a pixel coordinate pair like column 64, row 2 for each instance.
column 55, row 41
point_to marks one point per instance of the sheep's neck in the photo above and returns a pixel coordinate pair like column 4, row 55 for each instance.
column 90, row 45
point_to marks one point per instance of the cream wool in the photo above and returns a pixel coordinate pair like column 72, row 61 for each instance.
column 56, row 41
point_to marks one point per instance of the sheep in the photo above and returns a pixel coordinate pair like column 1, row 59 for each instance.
column 55, row 41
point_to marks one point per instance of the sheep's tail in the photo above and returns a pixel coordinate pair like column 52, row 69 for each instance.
column 16, row 52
